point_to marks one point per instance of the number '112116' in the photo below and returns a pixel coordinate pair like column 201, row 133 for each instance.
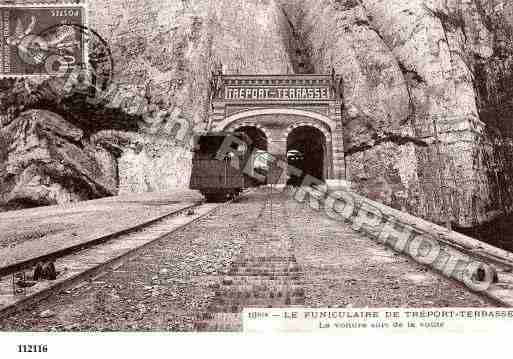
column 32, row 348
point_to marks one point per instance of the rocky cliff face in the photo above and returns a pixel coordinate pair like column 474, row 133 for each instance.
column 48, row 163
column 426, row 88
column 56, row 148
column 166, row 50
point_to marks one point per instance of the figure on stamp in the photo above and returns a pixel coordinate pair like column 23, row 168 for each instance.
column 25, row 42
column 35, row 50
column 20, row 32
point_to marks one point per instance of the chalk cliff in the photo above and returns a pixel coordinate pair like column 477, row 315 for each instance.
column 426, row 90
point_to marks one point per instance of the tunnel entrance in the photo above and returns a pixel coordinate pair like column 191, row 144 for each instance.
column 269, row 108
column 257, row 136
column 306, row 150
column 260, row 161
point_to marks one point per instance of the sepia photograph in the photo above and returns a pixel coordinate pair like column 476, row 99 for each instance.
column 255, row 166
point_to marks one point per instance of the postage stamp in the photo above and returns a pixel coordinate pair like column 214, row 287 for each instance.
column 38, row 40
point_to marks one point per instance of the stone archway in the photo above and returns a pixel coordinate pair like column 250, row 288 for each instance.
column 254, row 130
column 226, row 122
column 293, row 126
column 309, row 145
column 277, row 105
column 277, row 124
column 259, row 136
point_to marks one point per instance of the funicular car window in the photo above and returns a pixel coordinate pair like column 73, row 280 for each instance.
column 208, row 146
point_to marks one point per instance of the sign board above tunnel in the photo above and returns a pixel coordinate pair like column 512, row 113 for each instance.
column 277, row 105
column 272, row 88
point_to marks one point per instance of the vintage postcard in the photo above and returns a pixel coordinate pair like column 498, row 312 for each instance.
column 279, row 166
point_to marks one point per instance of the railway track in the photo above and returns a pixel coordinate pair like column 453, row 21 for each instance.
column 265, row 251
column 87, row 261
column 266, row 273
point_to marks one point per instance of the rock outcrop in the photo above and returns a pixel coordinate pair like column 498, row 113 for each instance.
column 55, row 147
column 47, row 161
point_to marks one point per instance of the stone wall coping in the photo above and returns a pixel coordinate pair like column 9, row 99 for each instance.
column 457, row 240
